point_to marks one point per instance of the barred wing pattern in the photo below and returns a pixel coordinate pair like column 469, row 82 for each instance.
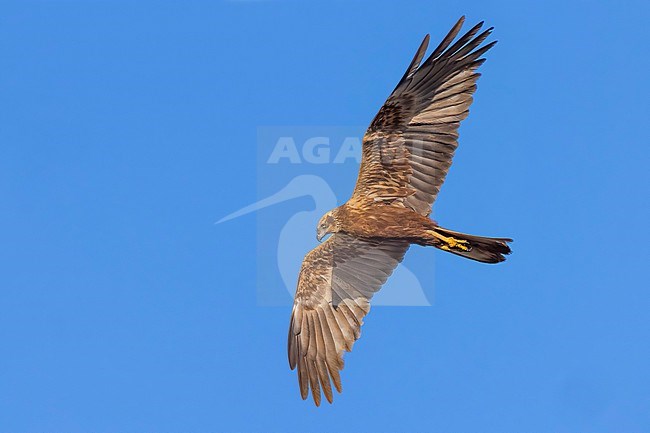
column 336, row 282
column 408, row 148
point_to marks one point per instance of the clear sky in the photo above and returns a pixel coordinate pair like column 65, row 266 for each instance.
column 128, row 128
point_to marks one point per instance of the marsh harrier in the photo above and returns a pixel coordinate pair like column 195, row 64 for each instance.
column 407, row 151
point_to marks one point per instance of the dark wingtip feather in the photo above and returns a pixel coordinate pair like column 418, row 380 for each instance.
column 465, row 39
column 446, row 40
column 417, row 59
column 472, row 59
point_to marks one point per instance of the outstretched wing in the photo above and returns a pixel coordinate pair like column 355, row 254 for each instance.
column 336, row 282
column 407, row 149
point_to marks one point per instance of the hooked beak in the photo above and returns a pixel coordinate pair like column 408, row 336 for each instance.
column 320, row 235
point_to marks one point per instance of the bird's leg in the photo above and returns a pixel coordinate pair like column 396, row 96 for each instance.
column 450, row 243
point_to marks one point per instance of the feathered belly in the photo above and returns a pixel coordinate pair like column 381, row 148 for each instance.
column 386, row 222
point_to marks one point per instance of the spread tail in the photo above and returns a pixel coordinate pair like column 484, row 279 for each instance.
column 479, row 248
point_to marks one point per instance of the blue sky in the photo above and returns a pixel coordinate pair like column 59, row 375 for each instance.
column 129, row 128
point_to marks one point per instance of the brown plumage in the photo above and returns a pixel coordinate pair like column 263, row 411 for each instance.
column 407, row 151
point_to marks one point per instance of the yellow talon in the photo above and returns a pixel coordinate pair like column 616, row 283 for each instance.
column 451, row 243
column 458, row 243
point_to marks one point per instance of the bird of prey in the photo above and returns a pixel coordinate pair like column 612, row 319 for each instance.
column 406, row 153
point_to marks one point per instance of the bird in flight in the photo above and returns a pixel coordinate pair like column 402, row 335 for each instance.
column 406, row 153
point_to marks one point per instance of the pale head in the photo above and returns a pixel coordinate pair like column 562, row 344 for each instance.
column 327, row 224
